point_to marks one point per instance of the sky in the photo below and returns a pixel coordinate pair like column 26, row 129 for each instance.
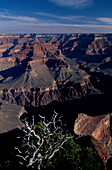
column 55, row 16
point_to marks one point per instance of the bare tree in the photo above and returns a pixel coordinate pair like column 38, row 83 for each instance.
column 42, row 141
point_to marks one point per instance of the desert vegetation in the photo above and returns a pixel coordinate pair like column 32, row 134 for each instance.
column 47, row 145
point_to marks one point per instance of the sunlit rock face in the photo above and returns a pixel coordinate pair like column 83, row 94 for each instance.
column 100, row 130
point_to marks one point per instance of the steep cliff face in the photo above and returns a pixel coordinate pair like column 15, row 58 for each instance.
column 100, row 130
column 43, row 96
column 38, row 69
column 38, row 61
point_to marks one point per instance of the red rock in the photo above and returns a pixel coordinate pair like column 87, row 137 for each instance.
column 99, row 128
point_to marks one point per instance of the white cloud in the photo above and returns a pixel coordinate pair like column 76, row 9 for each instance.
column 32, row 27
column 18, row 18
column 23, row 24
column 69, row 17
column 105, row 20
column 73, row 3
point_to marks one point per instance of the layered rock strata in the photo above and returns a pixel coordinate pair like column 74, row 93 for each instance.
column 100, row 130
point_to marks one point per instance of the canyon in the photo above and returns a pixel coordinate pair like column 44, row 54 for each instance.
column 69, row 73
column 43, row 68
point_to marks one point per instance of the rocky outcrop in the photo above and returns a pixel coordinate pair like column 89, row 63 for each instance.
column 100, row 130
column 43, row 96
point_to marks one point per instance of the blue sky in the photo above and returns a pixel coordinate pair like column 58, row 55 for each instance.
column 55, row 16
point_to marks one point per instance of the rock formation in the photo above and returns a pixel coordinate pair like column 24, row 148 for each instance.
column 77, row 63
column 100, row 130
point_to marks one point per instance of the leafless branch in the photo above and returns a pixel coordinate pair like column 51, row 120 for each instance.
column 35, row 151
